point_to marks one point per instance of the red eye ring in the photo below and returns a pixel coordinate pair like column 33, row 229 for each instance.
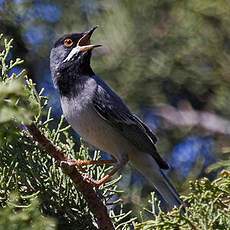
column 68, row 42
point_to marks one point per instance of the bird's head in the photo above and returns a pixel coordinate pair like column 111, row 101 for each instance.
column 71, row 50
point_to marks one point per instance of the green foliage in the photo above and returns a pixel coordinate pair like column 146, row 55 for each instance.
column 223, row 163
column 16, row 100
column 24, row 213
column 208, row 207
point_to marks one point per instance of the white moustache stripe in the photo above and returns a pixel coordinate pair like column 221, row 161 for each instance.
column 74, row 51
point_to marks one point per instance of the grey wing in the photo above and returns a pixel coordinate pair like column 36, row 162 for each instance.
column 112, row 109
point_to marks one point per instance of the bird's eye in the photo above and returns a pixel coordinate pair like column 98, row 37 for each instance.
column 68, row 42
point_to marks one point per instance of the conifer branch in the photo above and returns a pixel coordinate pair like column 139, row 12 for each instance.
column 94, row 202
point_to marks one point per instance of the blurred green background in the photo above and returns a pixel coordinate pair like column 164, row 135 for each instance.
column 168, row 59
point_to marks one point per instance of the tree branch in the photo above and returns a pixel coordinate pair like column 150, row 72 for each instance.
column 94, row 202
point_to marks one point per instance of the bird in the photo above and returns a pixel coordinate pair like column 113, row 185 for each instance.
column 96, row 112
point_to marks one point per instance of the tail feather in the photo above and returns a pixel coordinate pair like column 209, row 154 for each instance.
column 146, row 164
column 176, row 200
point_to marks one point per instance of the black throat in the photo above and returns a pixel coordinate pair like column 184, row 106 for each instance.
column 71, row 76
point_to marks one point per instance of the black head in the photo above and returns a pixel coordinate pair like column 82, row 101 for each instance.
column 71, row 51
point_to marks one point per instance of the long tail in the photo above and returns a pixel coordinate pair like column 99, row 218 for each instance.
column 145, row 163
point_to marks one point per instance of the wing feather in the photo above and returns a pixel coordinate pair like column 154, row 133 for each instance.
column 112, row 109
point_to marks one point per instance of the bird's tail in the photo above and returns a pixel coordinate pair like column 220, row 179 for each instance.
column 146, row 164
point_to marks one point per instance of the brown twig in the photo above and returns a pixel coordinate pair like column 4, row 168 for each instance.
column 94, row 202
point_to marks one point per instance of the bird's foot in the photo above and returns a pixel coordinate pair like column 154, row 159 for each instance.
column 95, row 183
column 80, row 163
column 67, row 166
column 90, row 180
column 103, row 180
column 95, row 162
column 86, row 177
column 77, row 164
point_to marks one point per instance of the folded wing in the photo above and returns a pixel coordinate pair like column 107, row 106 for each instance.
column 112, row 109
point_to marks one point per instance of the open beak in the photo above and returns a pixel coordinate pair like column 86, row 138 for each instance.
column 88, row 47
column 83, row 44
column 85, row 40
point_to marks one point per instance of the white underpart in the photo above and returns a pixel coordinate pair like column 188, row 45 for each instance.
column 73, row 52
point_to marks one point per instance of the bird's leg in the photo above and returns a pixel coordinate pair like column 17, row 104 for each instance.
column 80, row 163
column 95, row 162
column 104, row 179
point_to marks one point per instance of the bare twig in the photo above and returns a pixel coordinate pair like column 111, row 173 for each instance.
column 94, row 202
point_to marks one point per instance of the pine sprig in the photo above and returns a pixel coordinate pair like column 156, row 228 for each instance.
column 208, row 208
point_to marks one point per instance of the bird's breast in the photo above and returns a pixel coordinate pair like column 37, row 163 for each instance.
column 77, row 113
column 77, row 109
column 91, row 127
